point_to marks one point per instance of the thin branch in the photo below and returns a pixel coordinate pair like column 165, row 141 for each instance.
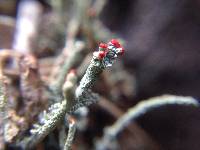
column 143, row 107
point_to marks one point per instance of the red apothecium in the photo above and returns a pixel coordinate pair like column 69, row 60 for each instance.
column 115, row 42
column 103, row 45
column 101, row 54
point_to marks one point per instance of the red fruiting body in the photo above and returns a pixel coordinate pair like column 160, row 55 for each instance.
column 115, row 42
column 101, row 55
column 103, row 45
column 121, row 51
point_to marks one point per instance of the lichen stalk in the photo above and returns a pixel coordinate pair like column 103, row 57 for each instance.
column 70, row 136
column 3, row 98
column 49, row 122
column 3, row 104
column 92, row 73
column 102, row 59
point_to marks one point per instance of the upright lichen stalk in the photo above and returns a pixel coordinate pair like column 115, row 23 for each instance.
column 3, row 104
column 103, row 58
column 71, row 133
column 3, row 98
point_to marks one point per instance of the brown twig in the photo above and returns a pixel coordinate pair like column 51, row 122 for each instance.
column 142, row 138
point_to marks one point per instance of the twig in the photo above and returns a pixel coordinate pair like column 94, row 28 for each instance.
column 143, row 107
column 140, row 137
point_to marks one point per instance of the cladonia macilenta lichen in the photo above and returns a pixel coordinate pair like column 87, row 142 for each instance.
column 103, row 58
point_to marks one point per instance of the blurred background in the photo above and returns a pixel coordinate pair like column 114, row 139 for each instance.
column 162, row 43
